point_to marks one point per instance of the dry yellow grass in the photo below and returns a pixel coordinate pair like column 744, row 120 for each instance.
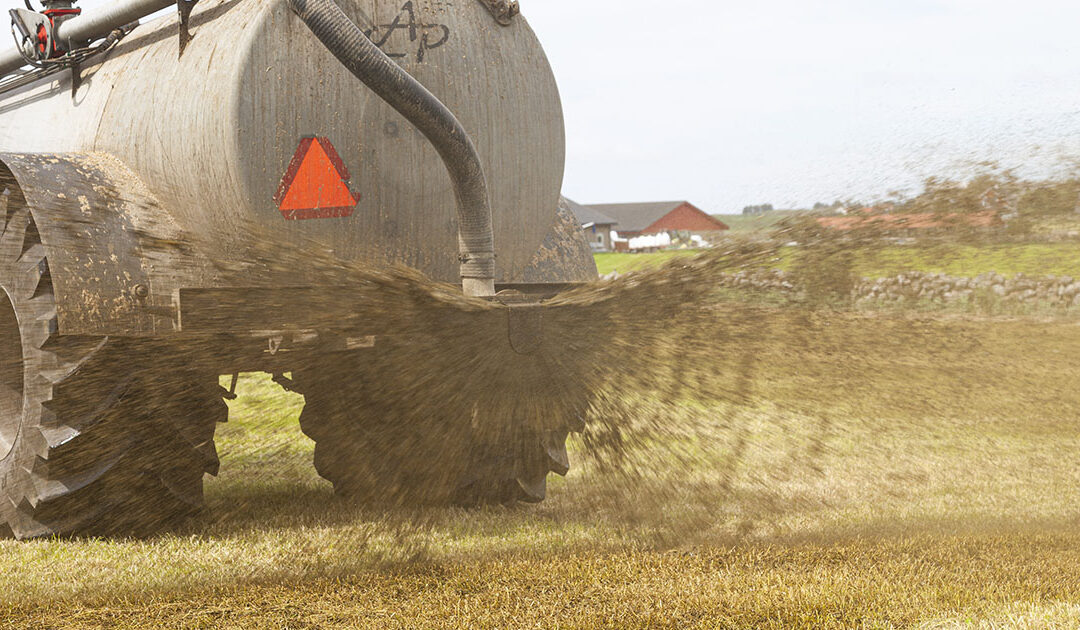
column 885, row 472
column 917, row 581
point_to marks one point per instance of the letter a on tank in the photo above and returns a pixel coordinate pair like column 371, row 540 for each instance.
column 316, row 184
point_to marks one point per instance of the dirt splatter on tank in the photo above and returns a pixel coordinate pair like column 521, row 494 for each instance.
column 177, row 196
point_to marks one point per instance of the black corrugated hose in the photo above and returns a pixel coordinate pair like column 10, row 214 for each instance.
column 438, row 124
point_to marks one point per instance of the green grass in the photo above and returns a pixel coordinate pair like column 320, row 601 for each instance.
column 1033, row 259
column 623, row 263
column 742, row 224
column 884, row 472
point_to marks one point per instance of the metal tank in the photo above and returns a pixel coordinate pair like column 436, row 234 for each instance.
column 228, row 125
column 211, row 134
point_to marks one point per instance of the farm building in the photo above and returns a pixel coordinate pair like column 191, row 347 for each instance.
column 636, row 219
column 596, row 225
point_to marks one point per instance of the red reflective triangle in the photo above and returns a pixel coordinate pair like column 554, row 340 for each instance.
column 316, row 184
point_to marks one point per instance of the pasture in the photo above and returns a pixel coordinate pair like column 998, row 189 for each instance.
column 1032, row 259
column 879, row 471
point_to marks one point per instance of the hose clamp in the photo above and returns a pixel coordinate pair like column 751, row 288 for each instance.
column 477, row 265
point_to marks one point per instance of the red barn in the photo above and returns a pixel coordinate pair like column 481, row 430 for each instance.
column 635, row 219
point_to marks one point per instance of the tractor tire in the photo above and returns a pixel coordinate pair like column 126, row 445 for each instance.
column 98, row 436
column 389, row 456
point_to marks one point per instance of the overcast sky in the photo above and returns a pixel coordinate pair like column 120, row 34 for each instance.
column 794, row 101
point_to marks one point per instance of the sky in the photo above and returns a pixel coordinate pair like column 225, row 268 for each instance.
column 790, row 102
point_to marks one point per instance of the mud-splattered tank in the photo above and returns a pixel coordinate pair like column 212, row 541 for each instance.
column 174, row 210
column 213, row 133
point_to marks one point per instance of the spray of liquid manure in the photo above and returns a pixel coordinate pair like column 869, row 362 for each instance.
column 830, row 401
column 789, row 385
column 702, row 398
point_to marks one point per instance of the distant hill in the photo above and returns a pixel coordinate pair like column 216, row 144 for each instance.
column 747, row 224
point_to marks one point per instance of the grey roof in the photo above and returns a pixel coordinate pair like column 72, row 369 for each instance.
column 635, row 217
column 587, row 215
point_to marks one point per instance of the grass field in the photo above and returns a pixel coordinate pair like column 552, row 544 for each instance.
column 882, row 472
column 744, row 224
column 1034, row 259
column 623, row 263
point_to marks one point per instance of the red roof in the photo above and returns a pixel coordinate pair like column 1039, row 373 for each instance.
column 660, row 216
column 686, row 218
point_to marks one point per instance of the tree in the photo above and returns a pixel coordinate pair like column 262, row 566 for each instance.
column 757, row 210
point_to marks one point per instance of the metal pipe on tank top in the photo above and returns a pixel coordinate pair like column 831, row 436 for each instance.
column 89, row 26
column 11, row 60
column 102, row 21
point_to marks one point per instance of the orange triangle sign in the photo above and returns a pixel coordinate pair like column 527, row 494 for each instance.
column 315, row 185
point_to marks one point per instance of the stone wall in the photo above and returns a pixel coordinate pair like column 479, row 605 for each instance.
column 1062, row 291
column 1057, row 291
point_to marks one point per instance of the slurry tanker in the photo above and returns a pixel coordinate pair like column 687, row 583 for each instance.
column 137, row 152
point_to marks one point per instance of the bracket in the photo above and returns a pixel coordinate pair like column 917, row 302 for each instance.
column 230, row 394
column 503, row 11
column 285, row 382
column 76, row 78
column 31, row 26
column 525, row 321
column 183, row 8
